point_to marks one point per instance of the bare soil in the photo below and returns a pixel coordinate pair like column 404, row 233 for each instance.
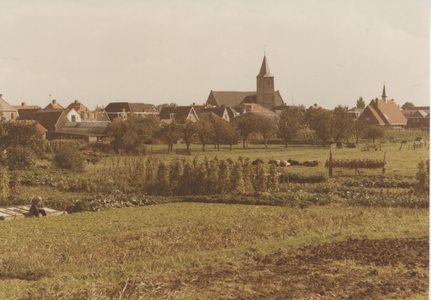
column 353, row 269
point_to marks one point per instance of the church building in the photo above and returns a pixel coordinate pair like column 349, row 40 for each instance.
column 265, row 95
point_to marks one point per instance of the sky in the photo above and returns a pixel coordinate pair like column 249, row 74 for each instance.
column 329, row 52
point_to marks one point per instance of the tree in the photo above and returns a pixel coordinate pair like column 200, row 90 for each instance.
column 231, row 135
column 220, row 127
column 267, row 128
column 225, row 180
column 422, row 184
column 322, row 124
column 131, row 135
column 289, row 123
column 4, row 183
column 272, row 178
column 359, row 128
column 188, row 131
column 170, row 134
column 246, row 125
column 407, row 105
column 343, row 124
column 20, row 158
column 237, row 178
column 175, row 176
column 68, row 157
column 204, row 131
column 360, row 103
column 13, row 134
column 375, row 132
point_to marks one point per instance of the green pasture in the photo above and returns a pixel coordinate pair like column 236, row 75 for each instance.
column 76, row 256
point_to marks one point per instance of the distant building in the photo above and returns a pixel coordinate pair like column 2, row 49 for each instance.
column 124, row 109
column 54, row 105
column 25, row 107
column 420, row 119
column 355, row 113
column 7, row 111
column 170, row 114
column 383, row 112
column 88, row 115
column 265, row 95
column 222, row 112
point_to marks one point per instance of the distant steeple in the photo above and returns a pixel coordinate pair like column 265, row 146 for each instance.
column 384, row 93
column 264, row 69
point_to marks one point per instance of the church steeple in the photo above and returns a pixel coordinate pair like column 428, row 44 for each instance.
column 384, row 93
column 265, row 86
column 264, row 69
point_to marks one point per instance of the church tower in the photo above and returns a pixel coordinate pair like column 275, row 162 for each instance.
column 265, row 86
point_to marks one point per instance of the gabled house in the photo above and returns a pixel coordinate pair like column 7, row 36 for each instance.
column 124, row 109
column 7, row 111
column 170, row 114
column 54, row 105
column 88, row 115
column 52, row 120
column 265, row 95
column 420, row 119
column 383, row 112
column 222, row 112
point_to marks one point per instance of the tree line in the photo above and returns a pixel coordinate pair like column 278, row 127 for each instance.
column 131, row 135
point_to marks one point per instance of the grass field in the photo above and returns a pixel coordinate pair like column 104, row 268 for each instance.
column 79, row 256
column 353, row 244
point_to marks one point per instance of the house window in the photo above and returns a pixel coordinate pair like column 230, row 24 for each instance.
column 92, row 116
column 172, row 116
column 73, row 118
column 87, row 116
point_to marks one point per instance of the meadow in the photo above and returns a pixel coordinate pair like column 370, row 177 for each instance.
column 358, row 236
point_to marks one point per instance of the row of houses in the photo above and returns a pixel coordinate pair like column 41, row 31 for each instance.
column 78, row 122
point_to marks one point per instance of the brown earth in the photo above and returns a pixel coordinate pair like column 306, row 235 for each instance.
column 353, row 269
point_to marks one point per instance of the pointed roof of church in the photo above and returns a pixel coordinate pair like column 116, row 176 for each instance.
column 384, row 93
column 264, row 69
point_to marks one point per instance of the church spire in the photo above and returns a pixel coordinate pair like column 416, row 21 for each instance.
column 384, row 93
column 264, row 69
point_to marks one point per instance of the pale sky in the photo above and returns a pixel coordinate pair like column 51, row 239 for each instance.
column 327, row 52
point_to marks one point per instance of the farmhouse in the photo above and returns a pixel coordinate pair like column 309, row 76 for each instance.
column 88, row 115
column 420, row 119
column 54, row 105
column 175, row 113
column 7, row 111
column 265, row 95
column 383, row 112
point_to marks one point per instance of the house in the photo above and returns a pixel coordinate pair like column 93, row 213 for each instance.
column 54, row 105
column 248, row 107
column 124, row 109
column 52, row 120
column 265, row 95
column 383, row 112
column 411, row 110
column 267, row 114
column 277, row 109
column 170, row 114
column 88, row 115
column 7, row 111
column 355, row 113
column 25, row 107
column 420, row 119
column 221, row 112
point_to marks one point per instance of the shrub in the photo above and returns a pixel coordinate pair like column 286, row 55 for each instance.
column 4, row 183
column 20, row 158
column 423, row 179
column 68, row 157
column 298, row 178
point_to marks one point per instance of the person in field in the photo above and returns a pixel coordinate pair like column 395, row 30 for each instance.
column 37, row 207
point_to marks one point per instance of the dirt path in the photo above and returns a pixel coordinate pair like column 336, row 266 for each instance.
column 353, row 269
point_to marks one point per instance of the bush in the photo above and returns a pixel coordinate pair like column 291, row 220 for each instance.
column 68, row 157
column 20, row 158
column 298, row 178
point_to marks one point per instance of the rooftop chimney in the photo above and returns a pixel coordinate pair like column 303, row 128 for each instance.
column 54, row 101
column 76, row 102
column 23, row 104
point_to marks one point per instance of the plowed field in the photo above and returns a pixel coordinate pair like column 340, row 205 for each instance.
column 353, row 269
